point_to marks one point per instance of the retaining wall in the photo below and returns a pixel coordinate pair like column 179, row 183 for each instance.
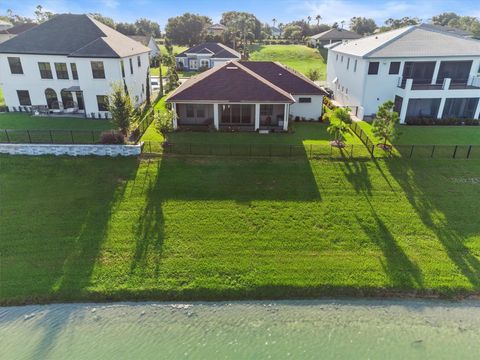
column 71, row 149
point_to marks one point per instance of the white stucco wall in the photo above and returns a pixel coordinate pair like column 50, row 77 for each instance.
column 30, row 79
column 309, row 111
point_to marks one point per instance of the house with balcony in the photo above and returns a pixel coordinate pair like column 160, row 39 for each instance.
column 67, row 65
column 246, row 96
column 427, row 71
column 205, row 56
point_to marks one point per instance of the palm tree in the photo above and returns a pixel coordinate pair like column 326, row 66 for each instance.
column 309, row 18
column 244, row 25
column 274, row 21
column 342, row 22
column 318, row 18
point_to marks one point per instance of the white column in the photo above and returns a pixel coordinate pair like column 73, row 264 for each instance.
column 435, row 73
column 257, row 117
column 403, row 110
column 216, row 120
column 285, row 116
column 175, row 115
column 446, row 83
column 409, row 84
column 440, row 108
column 477, row 113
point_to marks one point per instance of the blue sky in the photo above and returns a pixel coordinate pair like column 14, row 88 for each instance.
column 265, row 10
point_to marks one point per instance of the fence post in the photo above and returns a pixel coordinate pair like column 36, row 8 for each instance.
column 455, row 151
column 6, row 134
column 469, row 150
column 411, row 151
column 433, row 151
column 29, row 138
column 71, row 135
column 51, row 137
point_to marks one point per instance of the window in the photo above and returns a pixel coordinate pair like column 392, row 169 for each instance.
column 305, row 100
column 373, row 68
column 24, row 97
column 139, row 61
column 346, row 91
column 102, row 101
column 478, row 71
column 67, row 99
column 200, row 111
column 45, row 70
column 52, row 100
column 266, row 110
column 190, row 111
column 394, row 68
column 355, row 66
column 122, row 65
column 98, row 70
column 341, row 59
column 348, row 63
column 131, row 66
column 61, row 70
column 204, row 63
column 73, row 67
column 336, row 58
column 15, row 65
column 460, row 108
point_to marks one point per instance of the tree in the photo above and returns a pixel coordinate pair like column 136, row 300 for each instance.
column 121, row 108
column 391, row 24
column 292, row 31
column 187, row 29
column 313, row 74
column 42, row 15
column 383, row 126
column 444, row 18
column 126, row 28
column 147, row 28
column 104, row 20
column 241, row 26
column 164, row 121
column 338, row 127
column 147, row 90
column 16, row 19
column 362, row 25
column 318, row 18
column 309, row 18
column 274, row 21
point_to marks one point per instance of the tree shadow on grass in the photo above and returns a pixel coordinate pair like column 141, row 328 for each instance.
column 450, row 217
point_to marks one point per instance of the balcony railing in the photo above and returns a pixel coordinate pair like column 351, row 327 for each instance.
column 425, row 84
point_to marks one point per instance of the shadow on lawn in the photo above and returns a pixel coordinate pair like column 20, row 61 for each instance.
column 448, row 211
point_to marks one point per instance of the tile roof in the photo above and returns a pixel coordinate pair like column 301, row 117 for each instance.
column 411, row 41
column 231, row 82
column 218, row 50
column 336, row 35
column 76, row 36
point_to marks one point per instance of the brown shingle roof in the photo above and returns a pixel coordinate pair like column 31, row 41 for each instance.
column 231, row 82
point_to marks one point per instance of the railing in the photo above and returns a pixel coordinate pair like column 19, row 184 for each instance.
column 447, row 83
column 12, row 136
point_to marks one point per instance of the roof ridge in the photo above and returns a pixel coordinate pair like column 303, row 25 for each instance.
column 431, row 28
column 408, row 30
column 229, row 49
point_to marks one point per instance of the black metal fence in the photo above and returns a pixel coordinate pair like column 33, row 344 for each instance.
column 143, row 125
column 312, row 151
column 362, row 135
column 51, row 136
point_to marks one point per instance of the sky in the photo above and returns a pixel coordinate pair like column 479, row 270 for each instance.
column 283, row 10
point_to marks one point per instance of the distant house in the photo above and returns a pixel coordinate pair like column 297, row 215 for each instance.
column 4, row 25
column 429, row 73
column 275, row 31
column 332, row 36
column 216, row 30
column 246, row 95
column 149, row 42
column 204, row 56
column 68, row 65
column 14, row 31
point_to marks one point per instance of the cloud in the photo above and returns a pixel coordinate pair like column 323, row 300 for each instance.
column 112, row 4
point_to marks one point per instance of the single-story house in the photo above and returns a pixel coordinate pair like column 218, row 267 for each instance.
column 332, row 36
column 7, row 34
column 216, row 30
column 246, row 95
column 205, row 56
column 149, row 42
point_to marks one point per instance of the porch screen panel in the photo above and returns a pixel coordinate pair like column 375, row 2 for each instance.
column 423, row 108
column 225, row 113
column 247, row 114
column 463, row 108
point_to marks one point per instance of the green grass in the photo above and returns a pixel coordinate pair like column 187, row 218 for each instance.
column 25, row 121
column 216, row 228
column 298, row 57
column 439, row 135
column 2, row 100
column 181, row 74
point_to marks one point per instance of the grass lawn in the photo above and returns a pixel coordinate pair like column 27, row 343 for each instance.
column 213, row 228
column 298, row 57
column 439, row 135
column 181, row 74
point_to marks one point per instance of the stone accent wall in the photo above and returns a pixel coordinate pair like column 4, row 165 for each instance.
column 71, row 150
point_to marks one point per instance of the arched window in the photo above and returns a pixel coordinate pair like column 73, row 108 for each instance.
column 67, row 99
column 52, row 100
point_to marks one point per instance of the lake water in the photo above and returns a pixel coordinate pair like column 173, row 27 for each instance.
column 255, row 330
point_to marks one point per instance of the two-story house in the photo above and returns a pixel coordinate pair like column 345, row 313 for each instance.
column 205, row 56
column 427, row 71
column 69, row 64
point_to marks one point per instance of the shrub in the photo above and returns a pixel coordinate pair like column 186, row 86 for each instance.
column 112, row 138
column 164, row 121
column 313, row 74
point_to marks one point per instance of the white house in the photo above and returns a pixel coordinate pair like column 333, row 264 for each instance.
column 246, row 95
column 149, row 42
column 69, row 64
column 332, row 36
column 428, row 72
column 5, row 25
column 205, row 56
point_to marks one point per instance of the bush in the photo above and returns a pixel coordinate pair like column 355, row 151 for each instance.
column 424, row 120
column 112, row 138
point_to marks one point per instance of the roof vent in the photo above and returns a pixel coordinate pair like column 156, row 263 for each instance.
column 232, row 67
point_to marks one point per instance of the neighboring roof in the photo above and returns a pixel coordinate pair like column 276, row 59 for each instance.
column 336, row 35
column 3, row 22
column 288, row 80
column 218, row 50
column 75, row 36
column 231, row 82
column 18, row 29
column 411, row 41
column 144, row 40
column 217, row 27
column 449, row 29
